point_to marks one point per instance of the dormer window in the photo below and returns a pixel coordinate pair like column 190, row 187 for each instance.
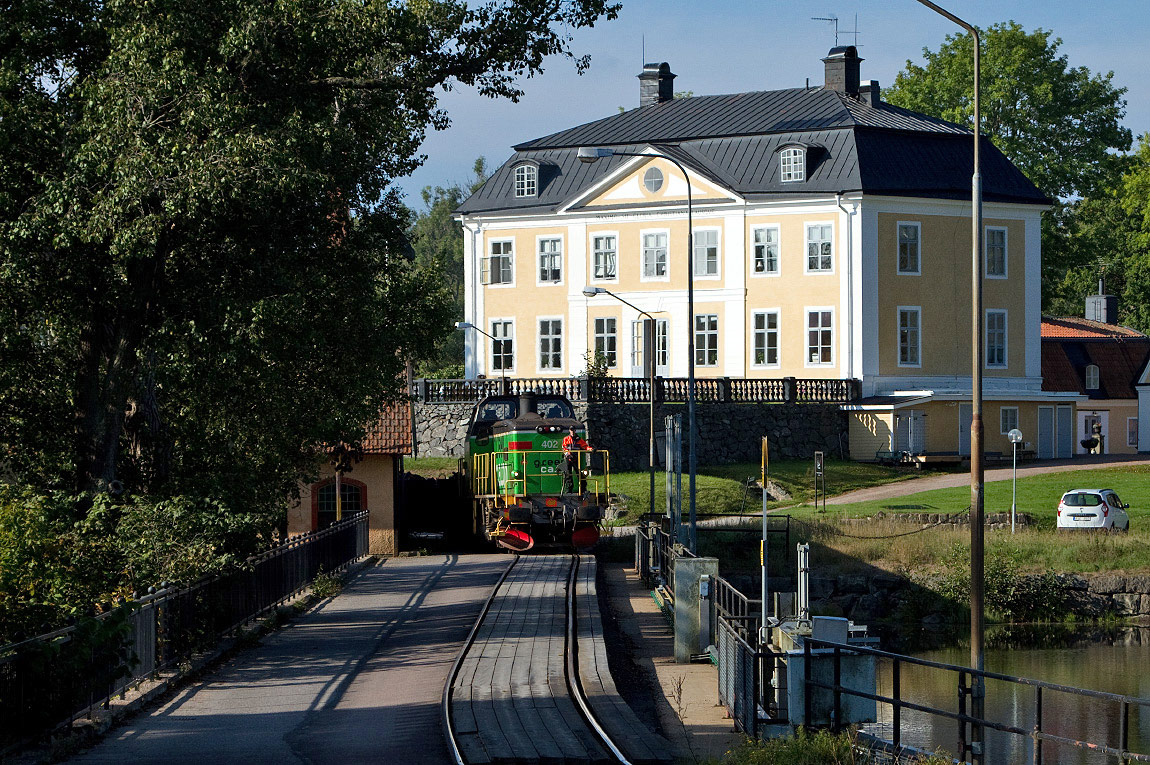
column 1091, row 377
column 526, row 181
column 793, row 164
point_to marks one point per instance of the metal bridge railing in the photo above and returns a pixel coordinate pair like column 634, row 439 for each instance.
column 48, row 681
column 1039, row 734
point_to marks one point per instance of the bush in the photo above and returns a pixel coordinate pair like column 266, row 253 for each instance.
column 819, row 748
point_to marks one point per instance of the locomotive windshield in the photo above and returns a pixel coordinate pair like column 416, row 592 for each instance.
column 555, row 408
column 496, row 408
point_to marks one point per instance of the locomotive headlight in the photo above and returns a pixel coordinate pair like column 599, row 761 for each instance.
column 516, row 474
column 586, row 472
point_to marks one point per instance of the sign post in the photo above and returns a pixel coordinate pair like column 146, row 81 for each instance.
column 820, row 472
column 764, row 630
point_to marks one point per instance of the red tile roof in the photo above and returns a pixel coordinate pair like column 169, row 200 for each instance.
column 1074, row 327
column 1120, row 360
column 392, row 434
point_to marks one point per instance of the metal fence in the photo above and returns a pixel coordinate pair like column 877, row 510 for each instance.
column 783, row 390
column 1042, row 740
column 48, row 681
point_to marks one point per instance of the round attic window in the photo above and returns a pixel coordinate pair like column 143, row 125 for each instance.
column 653, row 179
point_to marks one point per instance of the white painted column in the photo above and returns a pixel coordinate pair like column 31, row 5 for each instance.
column 472, row 297
column 735, row 329
column 1143, row 419
column 867, row 349
column 575, row 330
column 1033, row 299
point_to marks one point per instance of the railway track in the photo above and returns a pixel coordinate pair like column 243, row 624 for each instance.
column 531, row 683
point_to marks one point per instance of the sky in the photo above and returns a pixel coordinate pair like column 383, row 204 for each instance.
column 734, row 46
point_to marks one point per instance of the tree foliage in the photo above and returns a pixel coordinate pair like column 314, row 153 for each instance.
column 1057, row 123
column 204, row 271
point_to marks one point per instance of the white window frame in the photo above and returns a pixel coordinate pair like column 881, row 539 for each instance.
column 662, row 180
column 792, row 164
column 705, row 333
column 636, row 344
column 917, row 311
column 491, row 344
column 1005, row 339
column 1005, row 427
column 486, row 261
column 807, row 311
column 807, row 246
column 643, row 234
column 1092, row 374
column 718, row 262
column 1005, row 252
column 539, row 365
column 1132, row 432
column 526, row 181
column 898, row 247
column 755, row 245
column 612, row 356
column 766, row 332
column 662, row 345
column 539, row 240
column 614, row 235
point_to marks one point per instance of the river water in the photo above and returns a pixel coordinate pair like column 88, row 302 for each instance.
column 1114, row 660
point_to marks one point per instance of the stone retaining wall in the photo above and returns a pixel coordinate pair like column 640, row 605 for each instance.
column 728, row 432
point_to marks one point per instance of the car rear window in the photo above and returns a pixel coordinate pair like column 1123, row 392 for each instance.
column 1081, row 499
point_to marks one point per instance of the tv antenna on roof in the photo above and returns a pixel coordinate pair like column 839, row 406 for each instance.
column 835, row 20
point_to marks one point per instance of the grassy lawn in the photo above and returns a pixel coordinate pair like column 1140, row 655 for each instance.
column 722, row 489
column 1037, row 495
column 849, row 541
column 431, row 467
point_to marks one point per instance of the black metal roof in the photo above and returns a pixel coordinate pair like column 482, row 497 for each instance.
column 734, row 141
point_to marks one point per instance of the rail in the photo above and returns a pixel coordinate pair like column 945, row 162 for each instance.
column 965, row 676
column 596, row 390
column 47, row 681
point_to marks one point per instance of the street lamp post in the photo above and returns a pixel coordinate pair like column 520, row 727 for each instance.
column 977, row 551
column 649, row 362
column 1015, row 436
column 469, row 325
column 590, row 154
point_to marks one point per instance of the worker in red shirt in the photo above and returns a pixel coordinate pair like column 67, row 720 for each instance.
column 572, row 445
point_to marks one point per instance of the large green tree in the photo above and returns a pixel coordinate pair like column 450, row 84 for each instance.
column 1056, row 122
column 201, row 268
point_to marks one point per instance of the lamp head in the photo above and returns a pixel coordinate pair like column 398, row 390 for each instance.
column 463, row 325
column 592, row 291
column 589, row 154
column 1015, row 436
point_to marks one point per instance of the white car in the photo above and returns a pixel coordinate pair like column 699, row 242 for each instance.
column 1092, row 509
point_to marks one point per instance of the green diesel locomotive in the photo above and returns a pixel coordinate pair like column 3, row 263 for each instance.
column 515, row 471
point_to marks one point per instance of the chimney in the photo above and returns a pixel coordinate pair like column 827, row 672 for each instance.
column 842, row 70
column 870, row 93
column 1103, row 308
column 656, row 84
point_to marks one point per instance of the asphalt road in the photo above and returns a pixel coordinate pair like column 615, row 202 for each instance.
column 358, row 679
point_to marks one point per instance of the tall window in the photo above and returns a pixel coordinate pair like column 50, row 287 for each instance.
column 606, row 341
column 792, row 165
column 995, row 245
column 655, row 255
column 819, row 247
column 1132, row 432
column 550, row 343
column 551, row 260
column 908, row 248
column 662, row 356
column 820, row 337
column 351, row 501
column 706, row 340
column 996, row 338
column 909, row 337
column 636, row 345
column 706, row 243
column 497, row 267
column 603, row 248
column 766, row 250
column 1091, row 377
column 766, row 339
column 526, row 181
column 1007, row 419
column 503, row 345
